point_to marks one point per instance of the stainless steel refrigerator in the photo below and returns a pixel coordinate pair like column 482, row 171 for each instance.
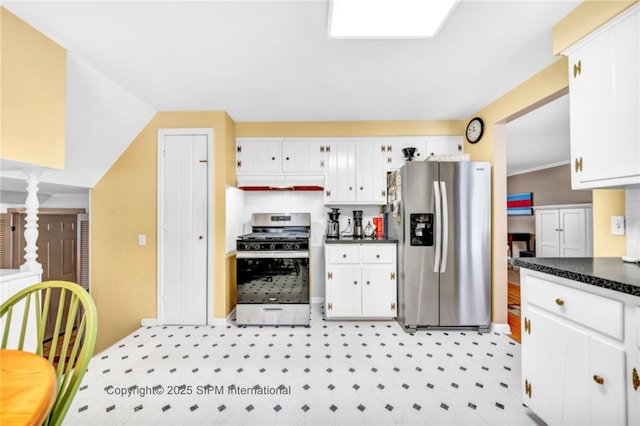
column 440, row 212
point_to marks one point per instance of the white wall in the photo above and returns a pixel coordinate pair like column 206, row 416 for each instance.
column 632, row 197
column 69, row 201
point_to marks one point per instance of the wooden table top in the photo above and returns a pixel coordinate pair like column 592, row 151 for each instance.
column 27, row 388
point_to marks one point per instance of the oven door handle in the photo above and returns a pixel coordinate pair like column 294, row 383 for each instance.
column 302, row 254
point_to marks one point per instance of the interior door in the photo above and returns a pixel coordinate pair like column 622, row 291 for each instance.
column 184, row 227
column 57, row 249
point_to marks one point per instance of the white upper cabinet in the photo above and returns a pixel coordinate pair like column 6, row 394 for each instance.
column 258, row 156
column 604, row 99
column 303, row 155
column 266, row 156
column 426, row 146
column 355, row 172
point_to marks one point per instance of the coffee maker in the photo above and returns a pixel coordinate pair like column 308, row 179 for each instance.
column 357, row 224
column 333, row 225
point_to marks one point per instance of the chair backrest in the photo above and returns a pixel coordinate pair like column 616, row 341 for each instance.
column 75, row 310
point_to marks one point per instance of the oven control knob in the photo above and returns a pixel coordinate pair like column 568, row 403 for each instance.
column 287, row 246
column 246, row 246
column 296, row 246
column 256, row 246
column 272, row 247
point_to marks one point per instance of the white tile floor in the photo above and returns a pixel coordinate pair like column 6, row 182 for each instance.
column 332, row 373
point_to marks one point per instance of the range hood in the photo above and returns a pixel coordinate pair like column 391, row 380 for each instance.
column 281, row 182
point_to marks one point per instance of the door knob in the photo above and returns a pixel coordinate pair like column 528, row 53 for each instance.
column 200, row 237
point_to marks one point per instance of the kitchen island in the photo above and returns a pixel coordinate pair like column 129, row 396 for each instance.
column 581, row 339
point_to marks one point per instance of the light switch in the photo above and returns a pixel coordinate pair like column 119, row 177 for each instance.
column 142, row 240
column 617, row 225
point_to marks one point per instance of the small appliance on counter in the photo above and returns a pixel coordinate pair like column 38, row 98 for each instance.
column 357, row 224
column 333, row 225
column 409, row 153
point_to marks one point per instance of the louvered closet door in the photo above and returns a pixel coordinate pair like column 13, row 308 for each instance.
column 5, row 241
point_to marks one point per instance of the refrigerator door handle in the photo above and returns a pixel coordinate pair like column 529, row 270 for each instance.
column 445, row 226
column 438, row 225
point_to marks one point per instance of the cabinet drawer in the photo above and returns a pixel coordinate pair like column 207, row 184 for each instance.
column 590, row 310
column 378, row 253
column 344, row 254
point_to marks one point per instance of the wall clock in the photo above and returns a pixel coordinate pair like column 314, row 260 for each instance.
column 475, row 129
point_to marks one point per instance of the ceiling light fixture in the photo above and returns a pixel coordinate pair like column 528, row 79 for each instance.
column 387, row 18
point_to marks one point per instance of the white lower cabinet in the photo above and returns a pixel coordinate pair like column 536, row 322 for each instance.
column 575, row 352
column 360, row 280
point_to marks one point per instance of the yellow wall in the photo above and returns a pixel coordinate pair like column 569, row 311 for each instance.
column 609, row 202
column 549, row 84
column 33, row 73
column 588, row 16
column 124, row 204
column 347, row 128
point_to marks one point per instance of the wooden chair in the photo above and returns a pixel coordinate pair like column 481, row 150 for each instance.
column 75, row 310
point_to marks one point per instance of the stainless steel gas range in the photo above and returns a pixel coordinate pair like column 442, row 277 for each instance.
column 272, row 267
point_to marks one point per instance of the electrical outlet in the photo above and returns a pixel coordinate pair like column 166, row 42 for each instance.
column 142, row 240
column 617, row 225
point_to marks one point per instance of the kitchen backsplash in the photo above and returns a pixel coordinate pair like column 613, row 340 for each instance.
column 632, row 224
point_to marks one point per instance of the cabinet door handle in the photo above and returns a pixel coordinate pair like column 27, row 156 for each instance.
column 351, row 188
column 355, row 283
column 321, row 148
column 328, row 193
column 599, row 380
column 239, row 149
column 527, row 388
column 368, row 282
column 382, row 148
column 393, row 275
column 393, row 306
column 559, row 302
column 273, row 158
column 344, row 256
column 577, row 69
column 578, row 165
column 527, row 325
column 361, row 188
column 239, row 164
column 635, row 379
column 388, row 148
column 330, row 275
column 287, row 158
column 377, row 256
column 389, row 160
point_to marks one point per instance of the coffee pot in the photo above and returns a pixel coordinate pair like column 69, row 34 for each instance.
column 333, row 225
column 357, row 224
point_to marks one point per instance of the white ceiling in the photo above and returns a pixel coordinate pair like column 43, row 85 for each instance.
column 539, row 139
column 272, row 60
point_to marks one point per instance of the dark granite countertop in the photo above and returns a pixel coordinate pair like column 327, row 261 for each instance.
column 606, row 272
column 351, row 240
